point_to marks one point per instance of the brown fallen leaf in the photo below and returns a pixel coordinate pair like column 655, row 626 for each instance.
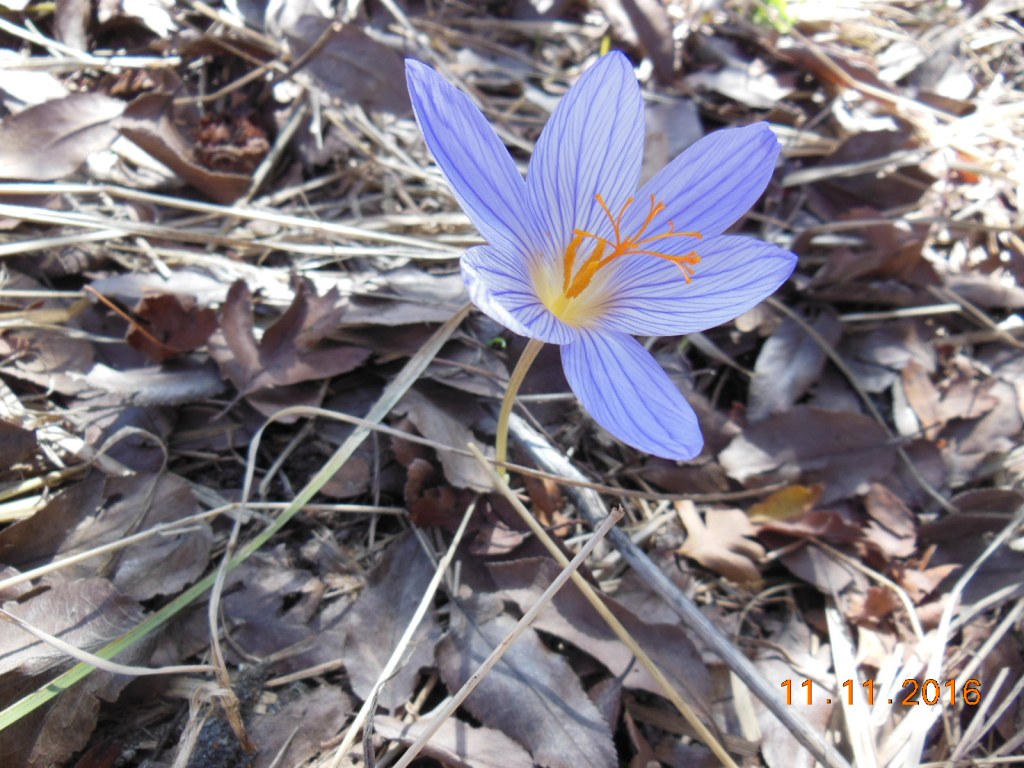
column 532, row 695
column 893, row 526
column 50, row 140
column 573, row 619
column 721, row 542
column 16, row 444
column 959, row 540
column 789, row 656
column 786, row 503
column 100, row 510
column 457, row 743
column 887, row 251
column 290, row 351
column 446, row 417
column 87, row 613
column 644, row 23
column 293, row 730
column 841, row 450
column 380, row 616
column 350, row 66
column 923, row 397
column 170, row 325
column 269, row 603
column 789, row 363
column 71, row 22
column 148, row 123
column 877, row 356
column 406, row 296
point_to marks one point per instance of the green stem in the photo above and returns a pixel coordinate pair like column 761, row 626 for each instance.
column 514, row 382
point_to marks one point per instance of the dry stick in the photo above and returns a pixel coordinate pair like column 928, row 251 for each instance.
column 609, row 618
column 403, row 643
column 588, row 503
column 568, row 571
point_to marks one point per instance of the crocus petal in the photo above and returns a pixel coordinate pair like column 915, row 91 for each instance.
column 480, row 171
column 499, row 284
column 627, row 393
column 652, row 297
column 593, row 144
column 709, row 186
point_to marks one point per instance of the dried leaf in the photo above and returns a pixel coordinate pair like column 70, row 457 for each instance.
column 877, row 357
column 444, row 416
column 289, row 351
column 573, row 619
column 923, row 397
column 292, row 732
column 456, row 743
column 532, row 695
column 751, row 83
column 779, row 748
column 792, row 653
column 351, row 67
column 270, row 603
column 407, row 296
column 16, row 444
column 672, row 126
column 721, row 542
column 101, row 510
column 843, row 451
column 381, row 614
column 959, row 540
column 893, row 526
column 645, row 23
column 51, row 140
column 170, row 325
column 87, row 613
column 786, row 503
column 789, row 363
column 71, row 22
column 147, row 122
column 173, row 383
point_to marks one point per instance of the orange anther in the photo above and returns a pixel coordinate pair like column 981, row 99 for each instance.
column 575, row 282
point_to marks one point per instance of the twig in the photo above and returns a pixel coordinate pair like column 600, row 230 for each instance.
column 589, row 503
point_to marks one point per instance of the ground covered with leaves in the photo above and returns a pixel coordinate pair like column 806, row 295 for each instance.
column 238, row 376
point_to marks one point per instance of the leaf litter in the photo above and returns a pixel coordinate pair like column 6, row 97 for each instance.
column 212, row 213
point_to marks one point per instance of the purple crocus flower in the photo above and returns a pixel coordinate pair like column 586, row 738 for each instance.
column 576, row 256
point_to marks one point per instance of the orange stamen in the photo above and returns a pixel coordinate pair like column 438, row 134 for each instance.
column 574, row 284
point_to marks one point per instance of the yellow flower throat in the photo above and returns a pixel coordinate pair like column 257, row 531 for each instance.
column 572, row 302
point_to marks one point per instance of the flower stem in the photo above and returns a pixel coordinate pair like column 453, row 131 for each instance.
column 514, row 382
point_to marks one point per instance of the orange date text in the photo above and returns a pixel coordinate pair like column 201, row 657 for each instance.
column 913, row 693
